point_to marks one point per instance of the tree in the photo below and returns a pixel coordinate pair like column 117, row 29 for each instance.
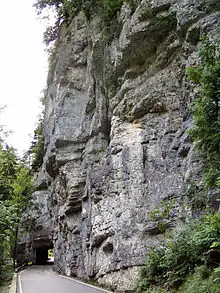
column 15, row 192
column 65, row 10
column 37, row 147
column 206, row 108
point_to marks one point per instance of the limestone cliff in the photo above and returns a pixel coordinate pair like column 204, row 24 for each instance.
column 116, row 122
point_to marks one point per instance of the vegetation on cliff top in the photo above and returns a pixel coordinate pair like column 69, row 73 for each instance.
column 66, row 10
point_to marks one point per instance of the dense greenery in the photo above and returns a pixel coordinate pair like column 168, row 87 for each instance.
column 37, row 147
column 205, row 109
column 15, row 194
column 168, row 266
column 65, row 10
column 203, row 280
column 15, row 190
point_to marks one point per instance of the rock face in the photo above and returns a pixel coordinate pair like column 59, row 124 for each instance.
column 116, row 123
column 36, row 228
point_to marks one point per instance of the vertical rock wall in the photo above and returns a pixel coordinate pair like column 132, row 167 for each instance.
column 36, row 225
column 116, row 123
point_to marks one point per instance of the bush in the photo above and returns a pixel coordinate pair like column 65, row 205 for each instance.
column 203, row 281
column 197, row 244
column 153, row 269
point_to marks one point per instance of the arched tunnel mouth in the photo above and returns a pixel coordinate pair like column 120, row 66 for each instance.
column 43, row 253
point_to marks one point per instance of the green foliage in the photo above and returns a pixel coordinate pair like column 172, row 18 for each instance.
column 110, row 9
column 3, row 132
column 205, row 110
column 67, row 9
column 132, row 4
column 42, row 4
column 8, row 165
column 44, row 93
column 158, row 290
column 153, row 269
column 203, row 281
column 37, row 147
column 51, row 34
column 50, row 253
column 161, row 213
column 197, row 195
column 15, row 190
column 197, row 244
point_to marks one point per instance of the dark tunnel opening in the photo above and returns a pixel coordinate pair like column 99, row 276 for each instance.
column 41, row 255
column 44, row 255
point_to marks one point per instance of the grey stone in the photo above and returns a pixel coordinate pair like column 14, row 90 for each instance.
column 116, row 133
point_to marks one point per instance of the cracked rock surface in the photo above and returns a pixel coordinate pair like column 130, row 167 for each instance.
column 116, row 123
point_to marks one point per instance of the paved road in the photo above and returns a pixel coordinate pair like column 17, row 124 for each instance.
column 41, row 279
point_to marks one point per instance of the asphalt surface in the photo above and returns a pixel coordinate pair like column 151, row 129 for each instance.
column 41, row 279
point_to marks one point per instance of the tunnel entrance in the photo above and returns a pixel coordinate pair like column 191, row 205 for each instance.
column 44, row 255
column 41, row 255
column 43, row 252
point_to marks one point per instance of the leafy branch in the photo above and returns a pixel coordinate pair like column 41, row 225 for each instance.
column 206, row 108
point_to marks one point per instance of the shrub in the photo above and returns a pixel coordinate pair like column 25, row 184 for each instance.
column 196, row 244
column 203, row 281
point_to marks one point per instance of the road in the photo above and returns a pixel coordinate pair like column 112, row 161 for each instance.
column 41, row 279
